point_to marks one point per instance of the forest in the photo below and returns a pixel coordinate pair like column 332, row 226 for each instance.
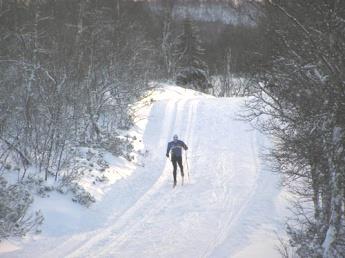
column 70, row 70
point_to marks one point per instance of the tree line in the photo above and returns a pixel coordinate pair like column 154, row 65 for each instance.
column 68, row 72
column 300, row 100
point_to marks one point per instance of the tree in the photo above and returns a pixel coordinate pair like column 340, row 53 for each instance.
column 191, row 68
column 301, row 91
column 168, row 40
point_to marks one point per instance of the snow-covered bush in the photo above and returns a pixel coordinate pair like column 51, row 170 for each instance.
column 230, row 85
column 15, row 201
column 80, row 195
column 194, row 78
column 119, row 146
column 38, row 185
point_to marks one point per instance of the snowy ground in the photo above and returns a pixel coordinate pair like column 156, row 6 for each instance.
column 230, row 206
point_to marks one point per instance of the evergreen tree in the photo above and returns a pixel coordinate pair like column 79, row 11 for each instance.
column 191, row 68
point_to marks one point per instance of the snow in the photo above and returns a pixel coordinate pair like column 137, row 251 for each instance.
column 213, row 11
column 230, row 206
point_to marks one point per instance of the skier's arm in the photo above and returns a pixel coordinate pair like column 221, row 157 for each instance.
column 168, row 150
column 184, row 146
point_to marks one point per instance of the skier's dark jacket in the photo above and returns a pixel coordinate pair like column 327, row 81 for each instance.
column 176, row 148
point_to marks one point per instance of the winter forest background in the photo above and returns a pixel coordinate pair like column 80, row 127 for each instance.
column 70, row 71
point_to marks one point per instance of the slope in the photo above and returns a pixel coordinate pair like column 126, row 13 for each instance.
column 227, row 204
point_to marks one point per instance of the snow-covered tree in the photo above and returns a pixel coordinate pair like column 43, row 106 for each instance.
column 301, row 87
column 65, row 67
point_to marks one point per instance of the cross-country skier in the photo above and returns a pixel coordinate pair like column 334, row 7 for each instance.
column 176, row 147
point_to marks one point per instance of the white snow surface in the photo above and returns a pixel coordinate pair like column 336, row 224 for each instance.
column 230, row 205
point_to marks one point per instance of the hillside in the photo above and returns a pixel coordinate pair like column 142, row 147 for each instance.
column 228, row 205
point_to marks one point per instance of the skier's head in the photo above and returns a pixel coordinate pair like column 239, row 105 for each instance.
column 175, row 137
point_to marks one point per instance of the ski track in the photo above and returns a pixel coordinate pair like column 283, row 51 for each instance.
column 210, row 216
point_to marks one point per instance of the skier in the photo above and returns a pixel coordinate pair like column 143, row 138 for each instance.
column 176, row 155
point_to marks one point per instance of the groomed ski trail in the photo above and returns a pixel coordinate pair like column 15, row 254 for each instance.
column 197, row 219
column 230, row 193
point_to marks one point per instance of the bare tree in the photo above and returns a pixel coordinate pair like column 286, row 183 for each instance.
column 301, row 90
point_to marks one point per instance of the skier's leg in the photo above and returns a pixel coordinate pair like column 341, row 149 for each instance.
column 174, row 161
column 179, row 161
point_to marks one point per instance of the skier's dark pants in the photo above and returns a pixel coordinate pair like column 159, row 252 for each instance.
column 175, row 161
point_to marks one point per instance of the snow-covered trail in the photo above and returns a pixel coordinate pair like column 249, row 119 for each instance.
column 229, row 196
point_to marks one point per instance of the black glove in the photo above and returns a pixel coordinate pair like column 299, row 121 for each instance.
column 167, row 155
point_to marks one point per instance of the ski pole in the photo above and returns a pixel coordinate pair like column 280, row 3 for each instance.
column 187, row 165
